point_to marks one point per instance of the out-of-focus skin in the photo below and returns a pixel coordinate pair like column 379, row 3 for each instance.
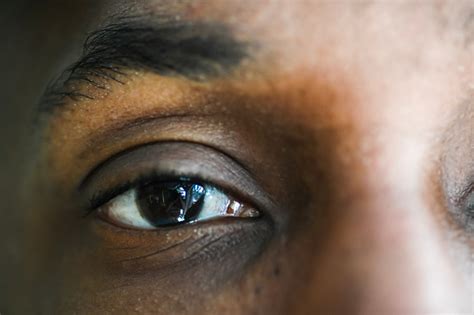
column 356, row 119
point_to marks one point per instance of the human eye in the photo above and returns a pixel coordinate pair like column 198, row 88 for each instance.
column 192, row 198
column 156, row 204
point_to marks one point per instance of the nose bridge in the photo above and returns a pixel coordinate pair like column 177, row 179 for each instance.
column 383, row 251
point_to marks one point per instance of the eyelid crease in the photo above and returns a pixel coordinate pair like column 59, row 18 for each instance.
column 91, row 173
column 111, row 131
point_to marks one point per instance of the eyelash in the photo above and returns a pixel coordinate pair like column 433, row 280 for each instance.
column 102, row 198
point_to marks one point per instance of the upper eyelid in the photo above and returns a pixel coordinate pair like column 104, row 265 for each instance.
column 84, row 182
column 237, row 182
column 106, row 135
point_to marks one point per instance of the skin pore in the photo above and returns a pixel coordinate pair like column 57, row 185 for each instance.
column 347, row 124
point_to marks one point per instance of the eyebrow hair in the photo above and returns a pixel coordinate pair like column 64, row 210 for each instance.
column 164, row 45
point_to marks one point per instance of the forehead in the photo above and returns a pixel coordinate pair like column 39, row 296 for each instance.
column 305, row 25
column 387, row 55
column 366, row 38
column 382, row 49
column 379, row 67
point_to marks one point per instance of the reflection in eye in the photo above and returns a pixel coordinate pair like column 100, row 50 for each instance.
column 171, row 203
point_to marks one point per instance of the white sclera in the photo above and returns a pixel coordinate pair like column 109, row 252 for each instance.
column 215, row 204
column 123, row 209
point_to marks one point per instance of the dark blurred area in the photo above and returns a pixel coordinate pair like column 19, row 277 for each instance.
column 38, row 39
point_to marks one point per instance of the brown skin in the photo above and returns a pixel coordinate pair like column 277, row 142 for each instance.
column 355, row 121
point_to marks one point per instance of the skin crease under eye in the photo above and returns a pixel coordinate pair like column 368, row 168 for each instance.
column 386, row 223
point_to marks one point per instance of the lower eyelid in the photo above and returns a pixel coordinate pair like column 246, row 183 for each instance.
column 163, row 252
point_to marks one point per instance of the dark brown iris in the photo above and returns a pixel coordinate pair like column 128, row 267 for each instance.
column 170, row 203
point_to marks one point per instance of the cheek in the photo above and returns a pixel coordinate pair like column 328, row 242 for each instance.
column 166, row 270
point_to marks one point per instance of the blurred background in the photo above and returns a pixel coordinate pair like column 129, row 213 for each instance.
column 38, row 39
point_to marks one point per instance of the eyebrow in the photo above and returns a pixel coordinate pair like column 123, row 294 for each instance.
column 164, row 45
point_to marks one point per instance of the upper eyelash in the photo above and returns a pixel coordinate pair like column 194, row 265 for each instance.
column 104, row 193
column 103, row 197
column 131, row 149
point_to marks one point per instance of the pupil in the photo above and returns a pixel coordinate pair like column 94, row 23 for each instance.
column 170, row 203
